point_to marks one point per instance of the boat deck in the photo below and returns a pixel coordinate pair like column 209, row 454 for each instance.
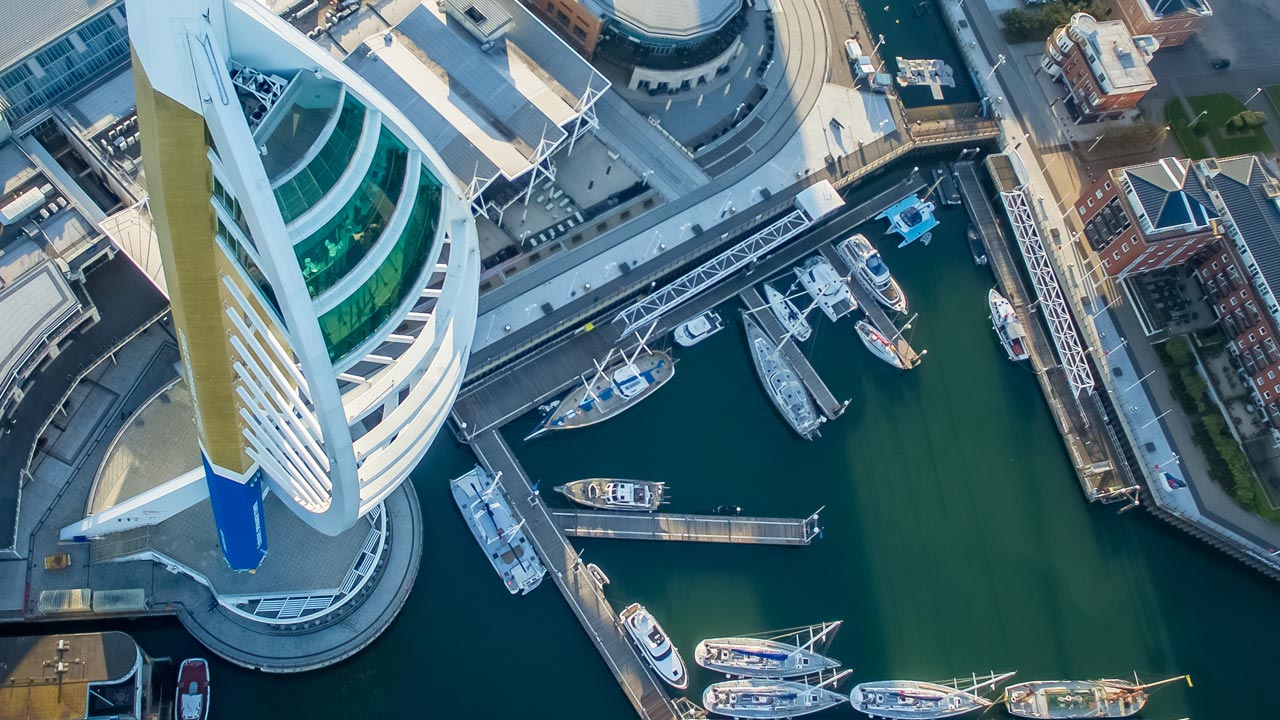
column 688, row 527
column 874, row 310
column 830, row 407
column 645, row 690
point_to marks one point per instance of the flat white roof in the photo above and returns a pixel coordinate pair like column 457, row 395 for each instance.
column 32, row 307
column 1122, row 61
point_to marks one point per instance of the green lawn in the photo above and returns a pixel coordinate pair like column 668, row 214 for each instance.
column 1176, row 116
column 1221, row 108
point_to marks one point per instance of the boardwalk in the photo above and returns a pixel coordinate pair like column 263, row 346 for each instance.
column 688, row 528
column 873, row 310
column 827, row 402
column 647, row 693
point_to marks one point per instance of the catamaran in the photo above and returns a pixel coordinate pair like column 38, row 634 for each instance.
column 614, row 388
column 762, row 698
column 827, row 287
column 790, row 317
column 655, row 646
column 912, row 218
column 781, row 382
column 613, row 494
column 488, row 513
column 768, row 657
column 871, row 271
column 1054, row 699
column 879, row 345
column 1007, row 326
column 191, row 701
column 904, row 699
column 698, row 329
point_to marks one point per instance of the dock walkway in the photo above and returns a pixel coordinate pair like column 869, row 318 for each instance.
column 688, row 528
column 873, row 310
column 645, row 691
column 831, row 407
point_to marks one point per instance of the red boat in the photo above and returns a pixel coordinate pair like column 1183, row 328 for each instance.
column 191, row 701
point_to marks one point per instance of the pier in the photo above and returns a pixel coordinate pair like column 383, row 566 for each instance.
column 688, row 528
column 873, row 310
column 831, row 407
column 646, row 692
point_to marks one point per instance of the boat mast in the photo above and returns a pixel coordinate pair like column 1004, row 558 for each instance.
column 993, row 680
column 834, row 678
column 827, row 628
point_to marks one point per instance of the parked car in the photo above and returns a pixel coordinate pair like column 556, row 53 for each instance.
column 1220, row 63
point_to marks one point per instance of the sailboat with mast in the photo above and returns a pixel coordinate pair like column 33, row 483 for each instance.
column 781, row 381
column 488, row 514
column 780, row 655
column 772, row 698
column 1053, row 699
column 906, row 699
column 615, row 387
column 790, row 317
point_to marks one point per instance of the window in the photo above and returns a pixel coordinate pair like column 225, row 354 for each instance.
column 1090, row 202
column 1081, row 211
column 1107, row 185
column 1099, row 196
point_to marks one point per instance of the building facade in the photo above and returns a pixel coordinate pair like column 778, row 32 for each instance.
column 321, row 263
column 1102, row 66
column 574, row 21
column 1170, row 22
column 52, row 50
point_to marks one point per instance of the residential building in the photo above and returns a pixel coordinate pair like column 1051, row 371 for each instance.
column 1170, row 22
column 1102, row 65
column 321, row 263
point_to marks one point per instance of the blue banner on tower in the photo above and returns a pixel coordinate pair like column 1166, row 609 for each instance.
column 237, row 513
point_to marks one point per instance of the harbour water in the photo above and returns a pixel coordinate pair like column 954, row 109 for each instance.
column 956, row 540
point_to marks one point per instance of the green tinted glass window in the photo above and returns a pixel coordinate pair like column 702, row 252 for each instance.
column 308, row 185
column 362, row 313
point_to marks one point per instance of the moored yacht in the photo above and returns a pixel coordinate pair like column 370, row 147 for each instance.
column 698, row 329
column 610, row 391
column 487, row 512
column 191, row 701
column 1055, row 699
column 613, row 494
column 790, row 317
column 912, row 218
column 767, row 657
column 760, row 698
column 870, row 270
column 879, row 345
column 826, row 286
column 1004, row 320
column 655, row 647
column 904, row 699
column 781, row 382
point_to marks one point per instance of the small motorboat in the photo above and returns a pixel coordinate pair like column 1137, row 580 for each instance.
column 698, row 329
column 976, row 246
column 614, row 494
column 191, row 701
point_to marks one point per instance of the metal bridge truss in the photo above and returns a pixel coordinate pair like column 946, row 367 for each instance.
column 713, row 271
column 1065, row 338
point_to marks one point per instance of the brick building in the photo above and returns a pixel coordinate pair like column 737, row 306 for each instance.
column 1171, row 22
column 1221, row 217
column 579, row 26
column 1102, row 65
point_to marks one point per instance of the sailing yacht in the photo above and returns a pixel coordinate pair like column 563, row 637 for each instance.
column 760, row 698
column 879, row 345
column 613, row 494
column 827, row 287
column 870, row 270
column 1007, row 326
column 655, row 647
column 781, row 382
column 767, row 657
column 790, row 317
column 488, row 514
column 1080, row 698
column 905, row 699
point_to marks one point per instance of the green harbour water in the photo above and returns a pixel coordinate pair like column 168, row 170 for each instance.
column 956, row 540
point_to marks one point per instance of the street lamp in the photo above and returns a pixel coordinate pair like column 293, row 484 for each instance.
column 735, row 112
column 999, row 61
column 1255, row 94
column 1202, row 114
column 1095, row 142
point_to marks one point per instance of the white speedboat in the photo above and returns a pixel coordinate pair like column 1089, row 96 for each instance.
column 698, row 329
column 826, row 286
column 758, row 698
column 870, row 270
column 905, row 699
column 1007, row 326
column 191, row 702
column 790, row 317
column 613, row 494
column 878, row 344
column 655, row 647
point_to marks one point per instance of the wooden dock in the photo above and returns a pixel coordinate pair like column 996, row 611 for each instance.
column 873, row 310
column 827, row 403
column 688, row 528
column 646, row 692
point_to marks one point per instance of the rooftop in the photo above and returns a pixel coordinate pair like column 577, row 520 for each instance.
column 1123, row 56
column 669, row 18
column 27, row 29
column 33, row 306
column 1168, row 195
column 1168, row 8
column 1251, row 195
column 32, row 687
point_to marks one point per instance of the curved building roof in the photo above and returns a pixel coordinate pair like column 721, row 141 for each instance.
column 679, row 19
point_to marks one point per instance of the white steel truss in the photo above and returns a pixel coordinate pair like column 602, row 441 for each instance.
column 1049, row 292
column 713, row 271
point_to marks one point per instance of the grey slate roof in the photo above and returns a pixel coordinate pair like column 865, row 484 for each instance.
column 670, row 18
column 1257, row 216
column 1169, row 196
column 29, row 26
